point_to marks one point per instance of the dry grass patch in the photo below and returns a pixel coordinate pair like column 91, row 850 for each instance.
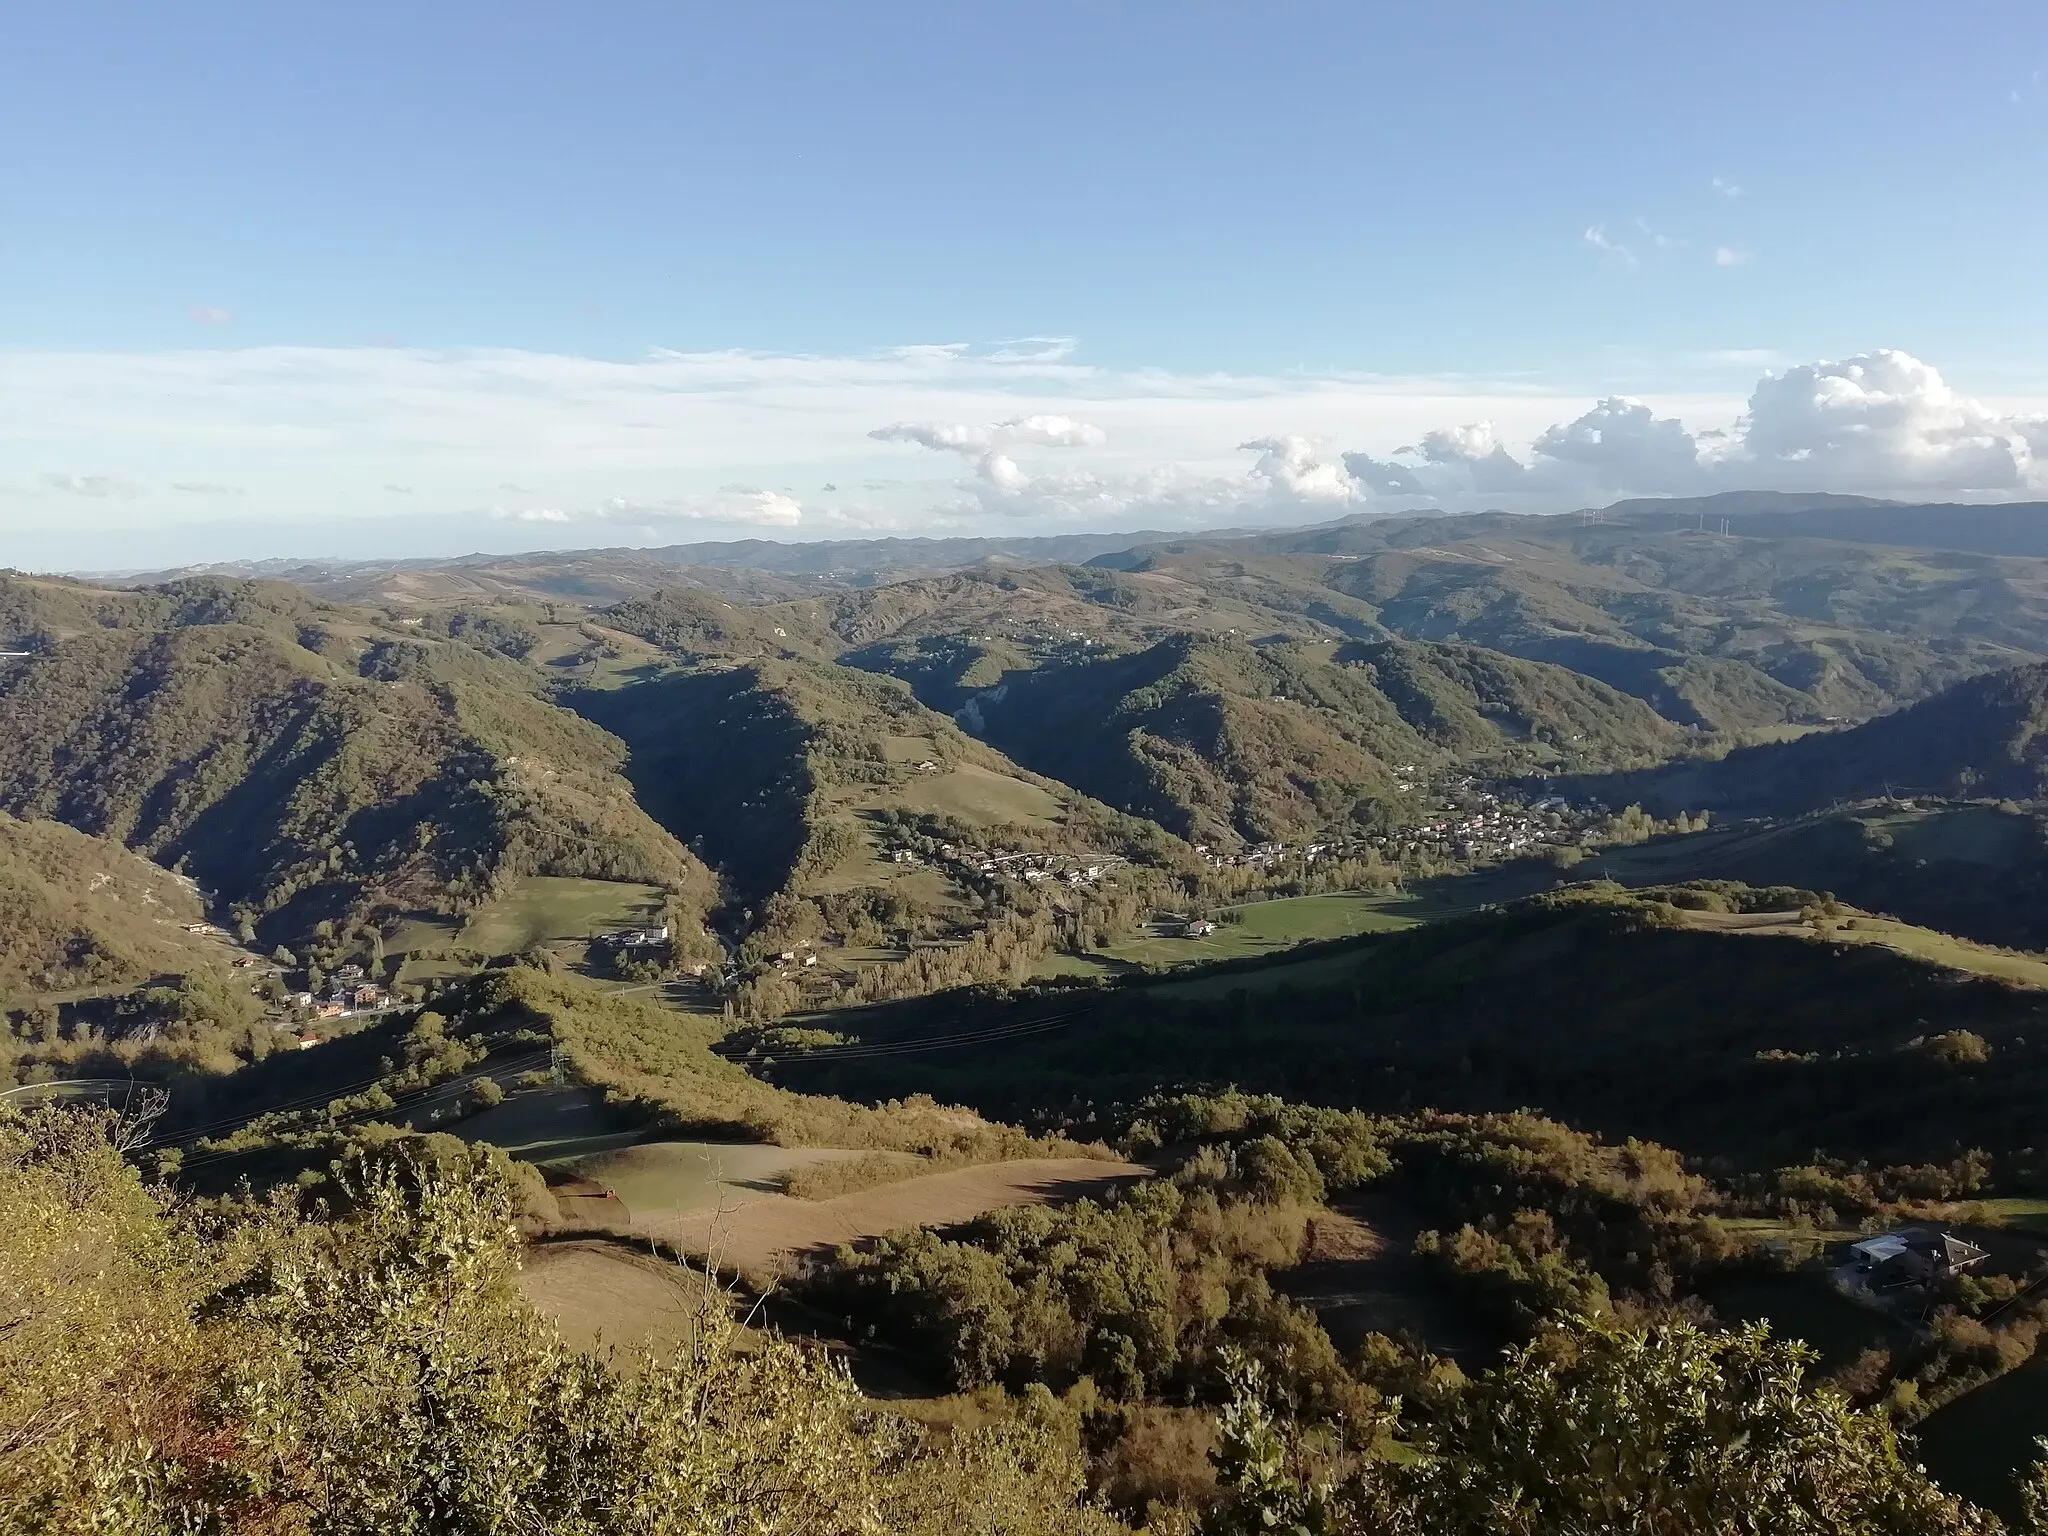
column 766, row 1237
column 826, row 1181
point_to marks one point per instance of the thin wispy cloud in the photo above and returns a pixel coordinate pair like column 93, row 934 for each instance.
column 1661, row 242
column 923, row 438
column 1730, row 256
column 1610, row 250
column 210, row 314
column 748, row 506
column 1035, row 349
column 1727, row 187
column 205, row 488
column 94, row 487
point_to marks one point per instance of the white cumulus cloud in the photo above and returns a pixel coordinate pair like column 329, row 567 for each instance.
column 1880, row 423
column 1885, row 420
column 1291, row 467
column 984, row 444
column 1621, row 443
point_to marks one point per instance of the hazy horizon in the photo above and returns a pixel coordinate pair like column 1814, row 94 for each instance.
column 413, row 285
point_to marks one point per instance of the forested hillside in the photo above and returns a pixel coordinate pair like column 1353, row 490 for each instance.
column 79, row 911
column 1224, row 742
column 802, row 780
column 1716, row 630
column 308, row 771
column 1650, row 1014
column 1982, row 737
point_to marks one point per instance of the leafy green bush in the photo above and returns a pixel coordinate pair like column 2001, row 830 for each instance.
column 373, row 1373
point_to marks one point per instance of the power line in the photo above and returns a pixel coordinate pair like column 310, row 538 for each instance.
column 446, row 1090
column 202, row 1133
column 1000, row 1033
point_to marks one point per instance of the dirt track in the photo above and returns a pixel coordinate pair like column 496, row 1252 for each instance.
column 764, row 1235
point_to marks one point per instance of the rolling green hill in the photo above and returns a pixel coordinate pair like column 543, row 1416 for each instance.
column 1765, row 626
column 1980, row 737
column 1976, row 870
column 307, row 764
column 1042, row 612
column 782, row 771
column 1722, row 631
column 1221, row 741
column 1613, row 1012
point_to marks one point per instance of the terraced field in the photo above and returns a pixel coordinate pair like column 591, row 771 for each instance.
column 764, row 1236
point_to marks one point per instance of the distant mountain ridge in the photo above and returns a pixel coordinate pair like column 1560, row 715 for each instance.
column 2018, row 528
column 821, row 557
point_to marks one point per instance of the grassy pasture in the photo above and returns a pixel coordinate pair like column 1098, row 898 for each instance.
column 662, row 1179
column 1922, row 943
column 2025, row 1213
column 604, row 1297
column 550, row 909
column 1971, row 834
column 1768, row 1230
column 758, row 1234
column 1312, row 971
column 1945, row 949
column 1081, row 967
column 569, row 1133
column 636, row 661
column 1266, row 926
column 534, row 911
column 908, row 749
column 978, row 796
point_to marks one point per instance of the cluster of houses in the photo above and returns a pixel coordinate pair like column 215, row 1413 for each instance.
column 634, row 938
column 1031, row 868
column 1256, row 856
column 1493, row 831
column 802, row 958
column 349, row 990
column 1468, row 826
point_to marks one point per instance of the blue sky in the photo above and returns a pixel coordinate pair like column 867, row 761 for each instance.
column 296, row 255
